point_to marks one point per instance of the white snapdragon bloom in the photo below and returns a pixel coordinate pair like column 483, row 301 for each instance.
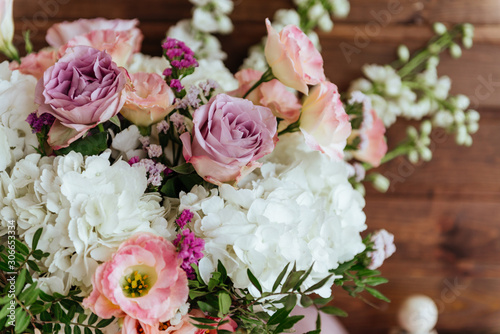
column 299, row 208
column 17, row 93
column 86, row 206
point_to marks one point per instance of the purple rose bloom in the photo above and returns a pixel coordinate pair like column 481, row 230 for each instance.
column 229, row 135
column 83, row 89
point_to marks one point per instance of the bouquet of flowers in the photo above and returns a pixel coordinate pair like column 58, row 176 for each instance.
column 163, row 195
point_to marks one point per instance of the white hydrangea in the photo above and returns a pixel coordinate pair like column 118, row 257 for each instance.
column 299, row 208
column 86, row 206
column 144, row 63
column 17, row 93
column 211, row 69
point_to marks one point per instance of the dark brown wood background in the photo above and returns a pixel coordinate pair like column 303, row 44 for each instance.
column 445, row 214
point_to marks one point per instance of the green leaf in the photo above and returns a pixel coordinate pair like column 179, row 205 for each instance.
column 93, row 318
column 333, row 311
column 280, row 277
column 105, row 322
column 343, row 267
column 319, row 285
column 39, row 308
column 57, row 311
column 377, row 294
column 222, row 270
column 223, row 331
column 36, row 238
column 29, row 295
column 322, row 301
column 46, row 297
column 87, row 330
column 224, row 303
column 288, row 323
column 254, row 281
column 21, row 248
column 32, row 264
column 20, row 280
column 5, row 299
column 90, row 145
column 67, row 329
column 81, row 318
column 279, row 316
column 204, row 320
column 77, row 330
column 22, row 320
column 205, row 307
column 185, row 168
column 290, row 302
column 193, row 294
column 303, row 278
column 5, row 310
column 368, row 272
column 116, row 121
column 374, row 281
column 316, row 331
column 98, row 331
column 28, row 46
column 292, row 280
column 318, row 322
column 306, row 301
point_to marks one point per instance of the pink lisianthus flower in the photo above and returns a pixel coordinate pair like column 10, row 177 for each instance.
column 229, row 134
column 293, row 58
column 121, row 45
column 83, row 89
column 324, row 122
column 61, row 33
column 35, row 64
column 383, row 245
column 143, row 280
column 272, row 94
column 149, row 99
column 373, row 146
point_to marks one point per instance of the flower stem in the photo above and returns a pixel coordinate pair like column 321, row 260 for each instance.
column 267, row 76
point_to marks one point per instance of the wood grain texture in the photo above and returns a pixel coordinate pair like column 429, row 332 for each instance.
column 445, row 214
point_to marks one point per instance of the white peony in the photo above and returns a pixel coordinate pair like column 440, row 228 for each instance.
column 86, row 206
column 17, row 93
column 148, row 64
column 300, row 208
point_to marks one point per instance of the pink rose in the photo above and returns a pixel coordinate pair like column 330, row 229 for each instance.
column 121, row 45
column 143, row 280
column 83, row 89
column 373, row 146
column 35, row 64
column 61, row 33
column 229, row 135
column 149, row 99
column 293, row 58
column 272, row 94
column 324, row 122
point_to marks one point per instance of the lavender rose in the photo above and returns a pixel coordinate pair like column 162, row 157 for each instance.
column 83, row 89
column 229, row 135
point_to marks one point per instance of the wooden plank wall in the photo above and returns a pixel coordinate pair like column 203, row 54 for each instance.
column 445, row 214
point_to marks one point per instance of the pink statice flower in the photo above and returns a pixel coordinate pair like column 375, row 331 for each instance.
column 155, row 171
column 184, row 218
column 190, row 250
column 373, row 145
column 143, row 280
column 383, row 245
column 179, row 122
column 154, row 151
column 163, row 126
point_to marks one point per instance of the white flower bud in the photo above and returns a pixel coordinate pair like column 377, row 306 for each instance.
column 461, row 136
column 381, row 183
column 426, row 127
column 468, row 30
column 341, row 8
column 413, row 156
column 459, row 116
column 426, row 154
column 412, row 132
column 462, row 101
column 472, row 128
column 455, row 51
column 467, row 42
column 433, row 62
column 468, row 141
column 473, row 116
column 325, row 23
column 443, row 118
column 315, row 12
column 439, row 28
column 225, row 24
column 403, row 53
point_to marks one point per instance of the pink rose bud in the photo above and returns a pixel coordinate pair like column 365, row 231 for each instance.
column 149, row 99
column 273, row 95
column 373, row 146
column 324, row 122
column 293, row 58
column 35, row 64
column 229, row 135
column 83, row 89
column 143, row 280
column 383, row 245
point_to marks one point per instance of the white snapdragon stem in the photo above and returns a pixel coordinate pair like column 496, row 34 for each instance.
column 7, row 29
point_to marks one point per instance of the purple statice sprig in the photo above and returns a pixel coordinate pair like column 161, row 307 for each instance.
column 182, row 62
column 189, row 247
column 155, row 171
column 38, row 122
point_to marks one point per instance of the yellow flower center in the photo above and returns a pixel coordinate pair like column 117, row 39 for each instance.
column 138, row 282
